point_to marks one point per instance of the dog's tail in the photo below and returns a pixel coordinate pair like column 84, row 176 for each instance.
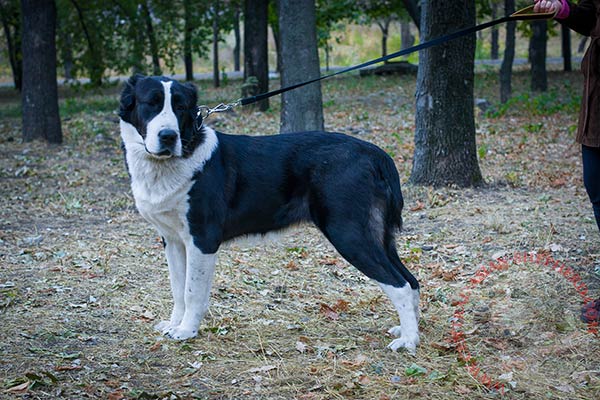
column 394, row 199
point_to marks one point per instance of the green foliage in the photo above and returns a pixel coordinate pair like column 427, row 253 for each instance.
column 376, row 11
column 99, row 37
column 546, row 103
column 331, row 16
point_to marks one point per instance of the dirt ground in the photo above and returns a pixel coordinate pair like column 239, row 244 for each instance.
column 83, row 278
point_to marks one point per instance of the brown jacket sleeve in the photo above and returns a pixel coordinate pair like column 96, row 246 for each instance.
column 582, row 17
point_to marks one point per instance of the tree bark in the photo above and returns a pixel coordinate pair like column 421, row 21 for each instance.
column 67, row 55
column 537, row 56
column 566, row 48
column 12, row 31
column 238, row 40
column 414, row 10
column 215, row 31
column 95, row 64
column 256, row 61
column 407, row 38
column 509, row 54
column 445, row 148
column 384, row 26
column 494, row 51
column 187, row 40
column 152, row 39
column 41, row 119
column 301, row 109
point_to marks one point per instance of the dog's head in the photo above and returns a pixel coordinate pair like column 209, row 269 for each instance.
column 162, row 112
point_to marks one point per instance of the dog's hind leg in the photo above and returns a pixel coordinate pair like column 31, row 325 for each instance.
column 412, row 281
column 358, row 246
column 408, row 331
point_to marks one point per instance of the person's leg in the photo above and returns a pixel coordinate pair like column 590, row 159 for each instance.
column 591, row 177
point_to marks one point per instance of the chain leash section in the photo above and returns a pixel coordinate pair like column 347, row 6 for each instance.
column 204, row 112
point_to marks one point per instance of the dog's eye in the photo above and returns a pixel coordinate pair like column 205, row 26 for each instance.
column 152, row 101
column 181, row 107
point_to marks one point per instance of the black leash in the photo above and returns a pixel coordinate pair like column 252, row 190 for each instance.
column 522, row 15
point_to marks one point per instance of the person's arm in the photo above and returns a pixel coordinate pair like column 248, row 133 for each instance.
column 581, row 17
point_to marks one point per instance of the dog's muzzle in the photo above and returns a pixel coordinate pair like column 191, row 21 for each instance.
column 167, row 140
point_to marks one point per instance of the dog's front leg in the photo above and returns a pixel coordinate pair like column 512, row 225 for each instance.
column 176, row 258
column 198, row 280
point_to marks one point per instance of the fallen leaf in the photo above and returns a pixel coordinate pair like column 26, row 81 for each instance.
column 118, row 395
column 415, row 370
column 265, row 368
column 329, row 312
column 358, row 362
column 61, row 368
column 155, row 346
column 329, row 261
column 449, row 276
column 292, row 266
column 558, row 182
column 19, row 388
column 461, row 389
column 301, row 347
column 418, row 207
column 341, row 306
column 565, row 388
column 443, row 346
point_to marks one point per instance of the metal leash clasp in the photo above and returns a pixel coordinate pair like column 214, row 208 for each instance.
column 204, row 112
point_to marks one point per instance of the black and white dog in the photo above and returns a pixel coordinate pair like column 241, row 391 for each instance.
column 200, row 188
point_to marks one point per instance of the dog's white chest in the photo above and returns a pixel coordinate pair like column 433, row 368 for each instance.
column 163, row 203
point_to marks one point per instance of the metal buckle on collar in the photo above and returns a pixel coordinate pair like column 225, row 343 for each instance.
column 204, row 112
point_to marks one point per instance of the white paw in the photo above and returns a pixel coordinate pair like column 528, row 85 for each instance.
column 181, row 333
column 163, row 326
column 395, row 331
column 410, row 344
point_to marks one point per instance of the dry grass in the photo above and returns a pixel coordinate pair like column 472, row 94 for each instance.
column 84, row 279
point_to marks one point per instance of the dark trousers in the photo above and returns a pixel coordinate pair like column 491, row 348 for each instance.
column 591, row 177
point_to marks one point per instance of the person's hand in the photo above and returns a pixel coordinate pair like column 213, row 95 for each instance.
column 545, row 6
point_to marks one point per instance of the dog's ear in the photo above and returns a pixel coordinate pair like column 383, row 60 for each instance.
column 193, row 101
column 193, row 93
column 127, row 102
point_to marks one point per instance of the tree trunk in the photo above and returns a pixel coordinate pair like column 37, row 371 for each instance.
column 95, row 63
column 407, row 38
column 215, row 29
column 414, row 10
column 11, row 23
column 152, row 39
column 301, row 109
column 509, row 54
column 537, row 56
column 494, row 52
column 385, row 30
column 66, row 52
column 277, row 40
column 41, row 119
column 256, row 61
column 187, row 40
column 445, row 148
column 566, row 48
column 238, row 40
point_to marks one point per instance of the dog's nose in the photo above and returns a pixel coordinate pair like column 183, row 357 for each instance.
column 167, row 137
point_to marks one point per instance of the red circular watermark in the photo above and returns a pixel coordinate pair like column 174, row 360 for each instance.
column 457, row 334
